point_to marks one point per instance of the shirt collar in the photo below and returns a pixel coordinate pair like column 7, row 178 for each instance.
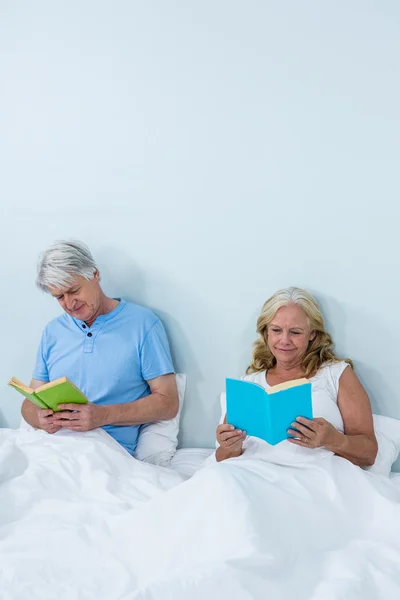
column 103, row 318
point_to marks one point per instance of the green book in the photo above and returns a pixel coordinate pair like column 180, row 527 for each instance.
column 50, row 395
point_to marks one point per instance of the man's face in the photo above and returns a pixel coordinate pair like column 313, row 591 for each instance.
column 81, row 299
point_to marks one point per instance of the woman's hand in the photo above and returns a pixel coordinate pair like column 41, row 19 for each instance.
column 230, row 441
column 314, row 433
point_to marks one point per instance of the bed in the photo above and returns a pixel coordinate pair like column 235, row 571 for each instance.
column 187, row 461
column 81, row 519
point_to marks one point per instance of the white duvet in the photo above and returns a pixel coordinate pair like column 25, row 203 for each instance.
column 80, row 518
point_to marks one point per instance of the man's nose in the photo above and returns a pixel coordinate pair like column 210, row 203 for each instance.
column 69, row 303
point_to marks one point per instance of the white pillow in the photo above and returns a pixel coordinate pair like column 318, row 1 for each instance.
column 387, row 431
column 158, row 441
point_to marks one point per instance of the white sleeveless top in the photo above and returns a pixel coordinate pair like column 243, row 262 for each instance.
column 325, row 388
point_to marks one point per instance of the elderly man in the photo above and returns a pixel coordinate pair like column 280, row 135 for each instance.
column 116, row 352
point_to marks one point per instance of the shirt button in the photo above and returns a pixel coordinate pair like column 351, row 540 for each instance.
column 84, row 326
column 89, row 334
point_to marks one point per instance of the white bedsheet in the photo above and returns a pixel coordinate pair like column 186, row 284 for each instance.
column 187, row 461
column 81, row 519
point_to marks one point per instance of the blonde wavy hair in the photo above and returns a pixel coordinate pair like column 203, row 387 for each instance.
column 320, row 349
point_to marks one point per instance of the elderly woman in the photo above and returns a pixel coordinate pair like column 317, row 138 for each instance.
column 293, row 344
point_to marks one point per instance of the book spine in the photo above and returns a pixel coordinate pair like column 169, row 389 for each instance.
column 269, row 434
column 39, row 402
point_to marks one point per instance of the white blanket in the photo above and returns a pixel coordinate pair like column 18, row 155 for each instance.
column 81, row 519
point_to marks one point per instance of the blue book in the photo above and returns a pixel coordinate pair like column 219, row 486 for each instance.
column 267, row 413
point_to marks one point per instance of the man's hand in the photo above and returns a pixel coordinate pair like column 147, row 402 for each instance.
column 80, row 417
column 39, row 418
column 45, row 420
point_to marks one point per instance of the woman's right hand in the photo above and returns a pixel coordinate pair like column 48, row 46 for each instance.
column 230, row 441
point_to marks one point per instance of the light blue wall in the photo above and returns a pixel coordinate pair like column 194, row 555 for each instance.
column 209, row 153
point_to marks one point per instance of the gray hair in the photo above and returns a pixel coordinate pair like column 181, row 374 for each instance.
column 59, row 264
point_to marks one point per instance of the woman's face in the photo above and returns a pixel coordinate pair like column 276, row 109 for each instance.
column 289, row 335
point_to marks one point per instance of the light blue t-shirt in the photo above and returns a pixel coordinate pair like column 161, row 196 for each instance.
column 111, row 361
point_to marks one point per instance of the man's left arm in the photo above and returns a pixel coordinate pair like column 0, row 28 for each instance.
column 161, row 404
